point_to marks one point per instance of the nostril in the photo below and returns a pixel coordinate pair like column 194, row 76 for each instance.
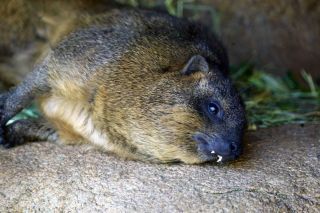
column 233, row 147
column 214, row 146
column 201, row 138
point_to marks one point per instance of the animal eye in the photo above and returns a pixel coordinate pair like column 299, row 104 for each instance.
column 213, row 108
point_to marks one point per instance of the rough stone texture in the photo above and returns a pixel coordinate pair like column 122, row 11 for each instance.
column 280, row 171
column 276, row 34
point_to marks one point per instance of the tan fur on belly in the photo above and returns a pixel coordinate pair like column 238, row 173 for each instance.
column 77, row 120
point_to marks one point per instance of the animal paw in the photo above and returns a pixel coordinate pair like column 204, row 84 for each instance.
column 3, row 141
column 1, row 136
column 3, row 129
column 10, row 137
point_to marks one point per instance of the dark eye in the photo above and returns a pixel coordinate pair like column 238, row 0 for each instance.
column 213, row 108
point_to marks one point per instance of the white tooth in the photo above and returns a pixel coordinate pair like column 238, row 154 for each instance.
column 213, row 152
column 219, row 158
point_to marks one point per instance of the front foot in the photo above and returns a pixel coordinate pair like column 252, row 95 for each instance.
column 11, row 134
column 3, row 140
column 11, row 137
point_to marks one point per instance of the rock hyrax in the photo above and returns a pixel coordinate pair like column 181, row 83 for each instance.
column 141, row 84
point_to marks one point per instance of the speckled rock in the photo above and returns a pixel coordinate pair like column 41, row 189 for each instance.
column 280, row 171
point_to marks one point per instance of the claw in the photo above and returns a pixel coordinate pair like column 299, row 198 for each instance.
column 213, row 152
column 219, row 158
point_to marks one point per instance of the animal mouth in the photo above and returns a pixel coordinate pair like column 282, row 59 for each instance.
column 219, row 157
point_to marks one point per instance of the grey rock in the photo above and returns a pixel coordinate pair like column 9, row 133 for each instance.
column 276, row 35
column 279, row 171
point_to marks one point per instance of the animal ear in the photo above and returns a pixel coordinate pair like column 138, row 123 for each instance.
column 195, row 64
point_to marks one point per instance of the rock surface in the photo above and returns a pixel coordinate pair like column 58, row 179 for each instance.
column 280, row 171
column 277, row 35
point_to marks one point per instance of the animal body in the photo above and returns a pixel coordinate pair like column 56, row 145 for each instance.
column 140, row 84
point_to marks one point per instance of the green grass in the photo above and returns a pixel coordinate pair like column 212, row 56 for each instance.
column 271, row 100
column 27, row 113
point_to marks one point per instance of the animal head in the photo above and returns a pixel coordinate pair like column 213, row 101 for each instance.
column 171, row 97
column 193, row 115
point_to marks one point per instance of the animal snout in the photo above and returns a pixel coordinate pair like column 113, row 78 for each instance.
column 216, row 148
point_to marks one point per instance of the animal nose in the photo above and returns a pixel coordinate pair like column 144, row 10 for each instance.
column 216, row 147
